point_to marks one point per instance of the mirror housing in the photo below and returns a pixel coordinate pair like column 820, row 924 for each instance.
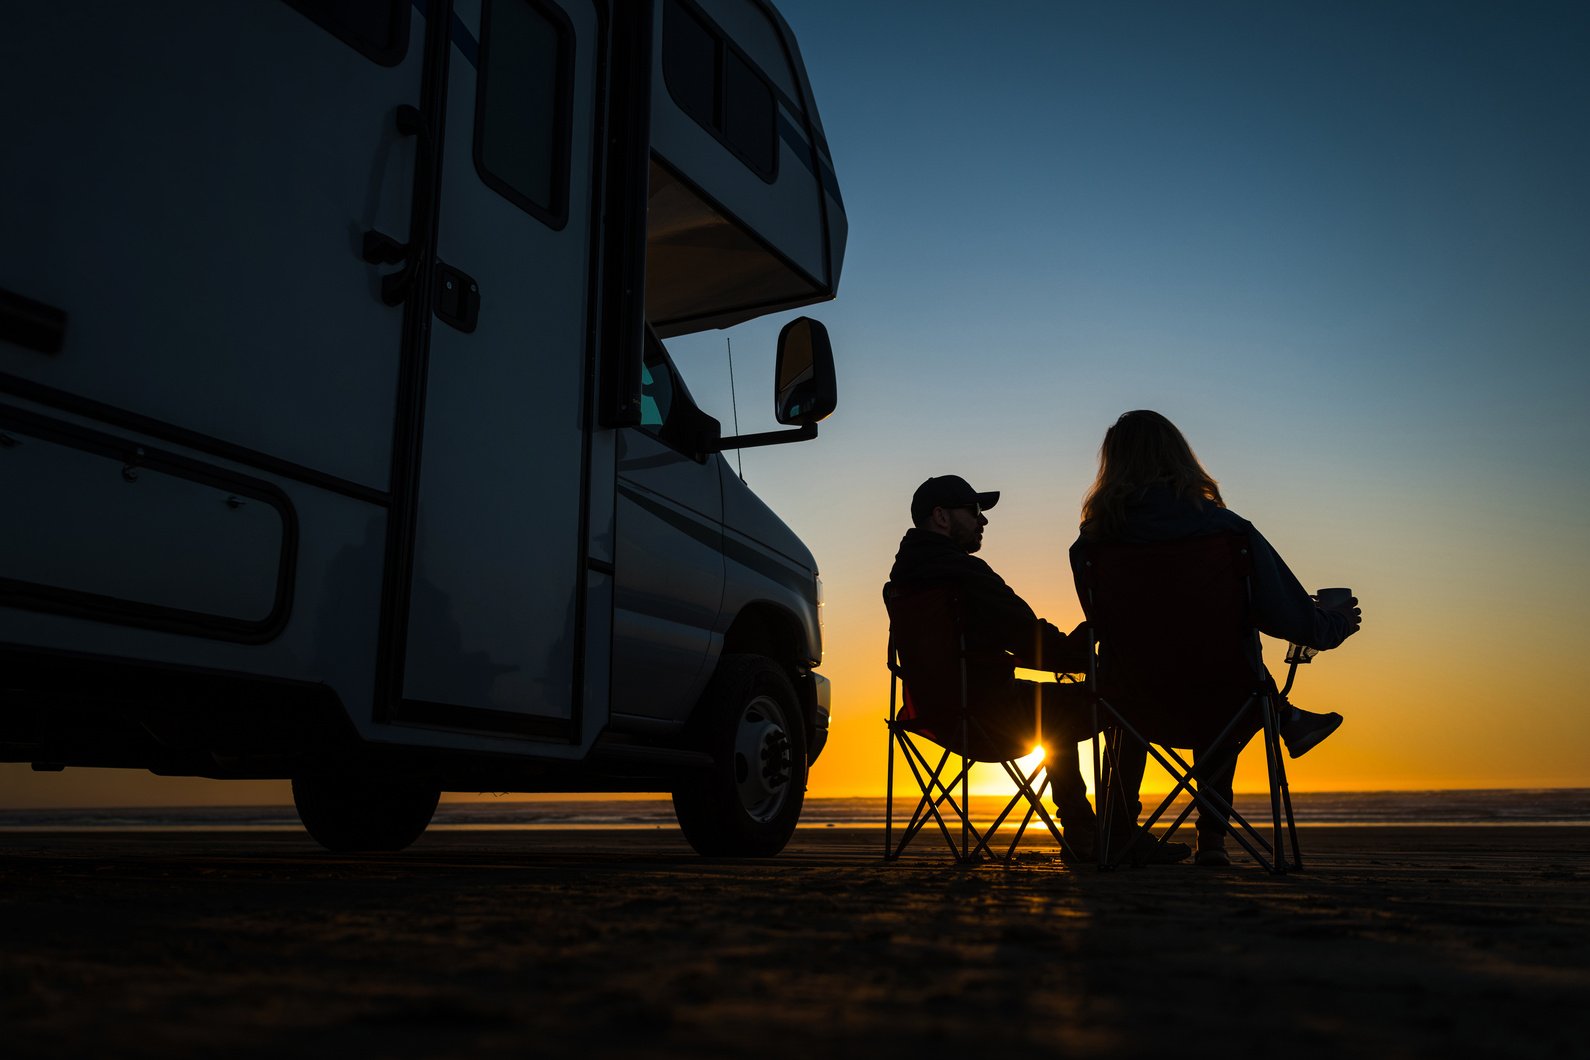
column 706, row 435
column 805, row 388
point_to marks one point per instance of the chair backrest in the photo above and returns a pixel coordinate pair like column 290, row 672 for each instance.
column 1177, row 651
column 927, row 653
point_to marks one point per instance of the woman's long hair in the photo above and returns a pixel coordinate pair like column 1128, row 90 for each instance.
column 1142, row 449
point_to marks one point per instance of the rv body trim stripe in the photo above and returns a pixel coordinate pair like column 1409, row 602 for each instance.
column 138, row 423
column 718, row 536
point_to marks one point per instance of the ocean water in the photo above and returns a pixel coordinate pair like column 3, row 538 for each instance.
column 1489, row 807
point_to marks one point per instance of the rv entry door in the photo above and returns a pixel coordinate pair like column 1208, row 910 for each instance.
column 496, row 619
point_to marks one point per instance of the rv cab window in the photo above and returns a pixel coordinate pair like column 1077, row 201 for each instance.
column 656, row 394
column 666, row 408
column 522, row 106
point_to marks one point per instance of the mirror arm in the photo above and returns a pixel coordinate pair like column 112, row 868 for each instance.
column 747, row 441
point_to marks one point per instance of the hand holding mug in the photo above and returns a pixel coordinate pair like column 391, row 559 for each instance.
column 1344, row 601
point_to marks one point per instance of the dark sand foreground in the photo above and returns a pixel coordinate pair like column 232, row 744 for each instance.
column 1434, row 942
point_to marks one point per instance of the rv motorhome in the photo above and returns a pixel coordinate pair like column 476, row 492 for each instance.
column 338, row 439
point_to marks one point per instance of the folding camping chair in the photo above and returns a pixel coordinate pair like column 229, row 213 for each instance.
column 928, row 702
column 1177, row 664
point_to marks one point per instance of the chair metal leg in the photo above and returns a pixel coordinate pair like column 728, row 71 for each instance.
column 1277, row 699
column 1272, row 746
column 1203, row 799
column 1224, row 807
column 966, row 814
column 928, row 806
column 888, row 799
column 1035, row 805
column 1021, row 793
column 1101, row 790
column 1216, row 804
column 921, row 813
column 1028, row 791
column 1021, row 830
column 1106, row 792
column 1281, row 798
column 1291, row 823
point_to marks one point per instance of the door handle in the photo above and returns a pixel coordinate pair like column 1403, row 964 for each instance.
column 378, row 248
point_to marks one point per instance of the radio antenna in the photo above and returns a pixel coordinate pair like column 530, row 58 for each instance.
column 734, row 406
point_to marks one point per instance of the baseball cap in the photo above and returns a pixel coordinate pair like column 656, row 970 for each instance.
column 948, row 491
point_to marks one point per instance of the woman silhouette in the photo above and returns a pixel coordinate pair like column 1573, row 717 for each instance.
column 1151, row 488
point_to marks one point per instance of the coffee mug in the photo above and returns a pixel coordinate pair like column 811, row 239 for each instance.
column 1329, row 598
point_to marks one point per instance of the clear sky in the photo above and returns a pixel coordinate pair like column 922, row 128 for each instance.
column 1344, row 246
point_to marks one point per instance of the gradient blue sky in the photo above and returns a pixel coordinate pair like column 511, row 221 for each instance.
column 1344, row 246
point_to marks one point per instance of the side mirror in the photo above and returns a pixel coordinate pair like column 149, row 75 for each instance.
column 806, row 389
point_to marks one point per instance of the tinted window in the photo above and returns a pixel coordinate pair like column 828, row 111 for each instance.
column 656, row 394
column 720, row 88
column 690, row 65
column 666, row 409
column 378, row 29
column 748, row 113
column 522, row 113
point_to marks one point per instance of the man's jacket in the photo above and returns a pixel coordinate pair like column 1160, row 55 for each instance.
column 1001, row 630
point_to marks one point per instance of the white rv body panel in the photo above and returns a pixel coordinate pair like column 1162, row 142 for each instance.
column 213, row 209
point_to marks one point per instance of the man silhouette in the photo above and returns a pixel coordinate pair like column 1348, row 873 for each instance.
column 1002, row 632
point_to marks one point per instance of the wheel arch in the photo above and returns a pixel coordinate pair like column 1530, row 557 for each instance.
column 765, row 628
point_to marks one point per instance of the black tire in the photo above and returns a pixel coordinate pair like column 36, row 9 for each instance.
column 750, row 722
column 349, row 815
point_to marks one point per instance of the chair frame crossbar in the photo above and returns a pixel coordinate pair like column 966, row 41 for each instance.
column 936, row 792
column 930, row 780
column 1188, row 778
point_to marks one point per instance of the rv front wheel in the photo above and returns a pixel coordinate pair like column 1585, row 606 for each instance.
column 351, row 814
column 749, row 721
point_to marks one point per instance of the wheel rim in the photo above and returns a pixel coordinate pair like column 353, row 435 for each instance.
column 762, row 767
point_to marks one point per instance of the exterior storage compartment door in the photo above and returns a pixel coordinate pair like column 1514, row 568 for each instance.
column 110, row 530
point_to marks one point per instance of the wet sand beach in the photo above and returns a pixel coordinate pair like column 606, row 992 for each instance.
column 1396, row 942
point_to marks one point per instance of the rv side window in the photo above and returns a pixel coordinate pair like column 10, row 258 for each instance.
column 376, row 29
column 748, row 113
column 523, row 99
column 715, row 84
